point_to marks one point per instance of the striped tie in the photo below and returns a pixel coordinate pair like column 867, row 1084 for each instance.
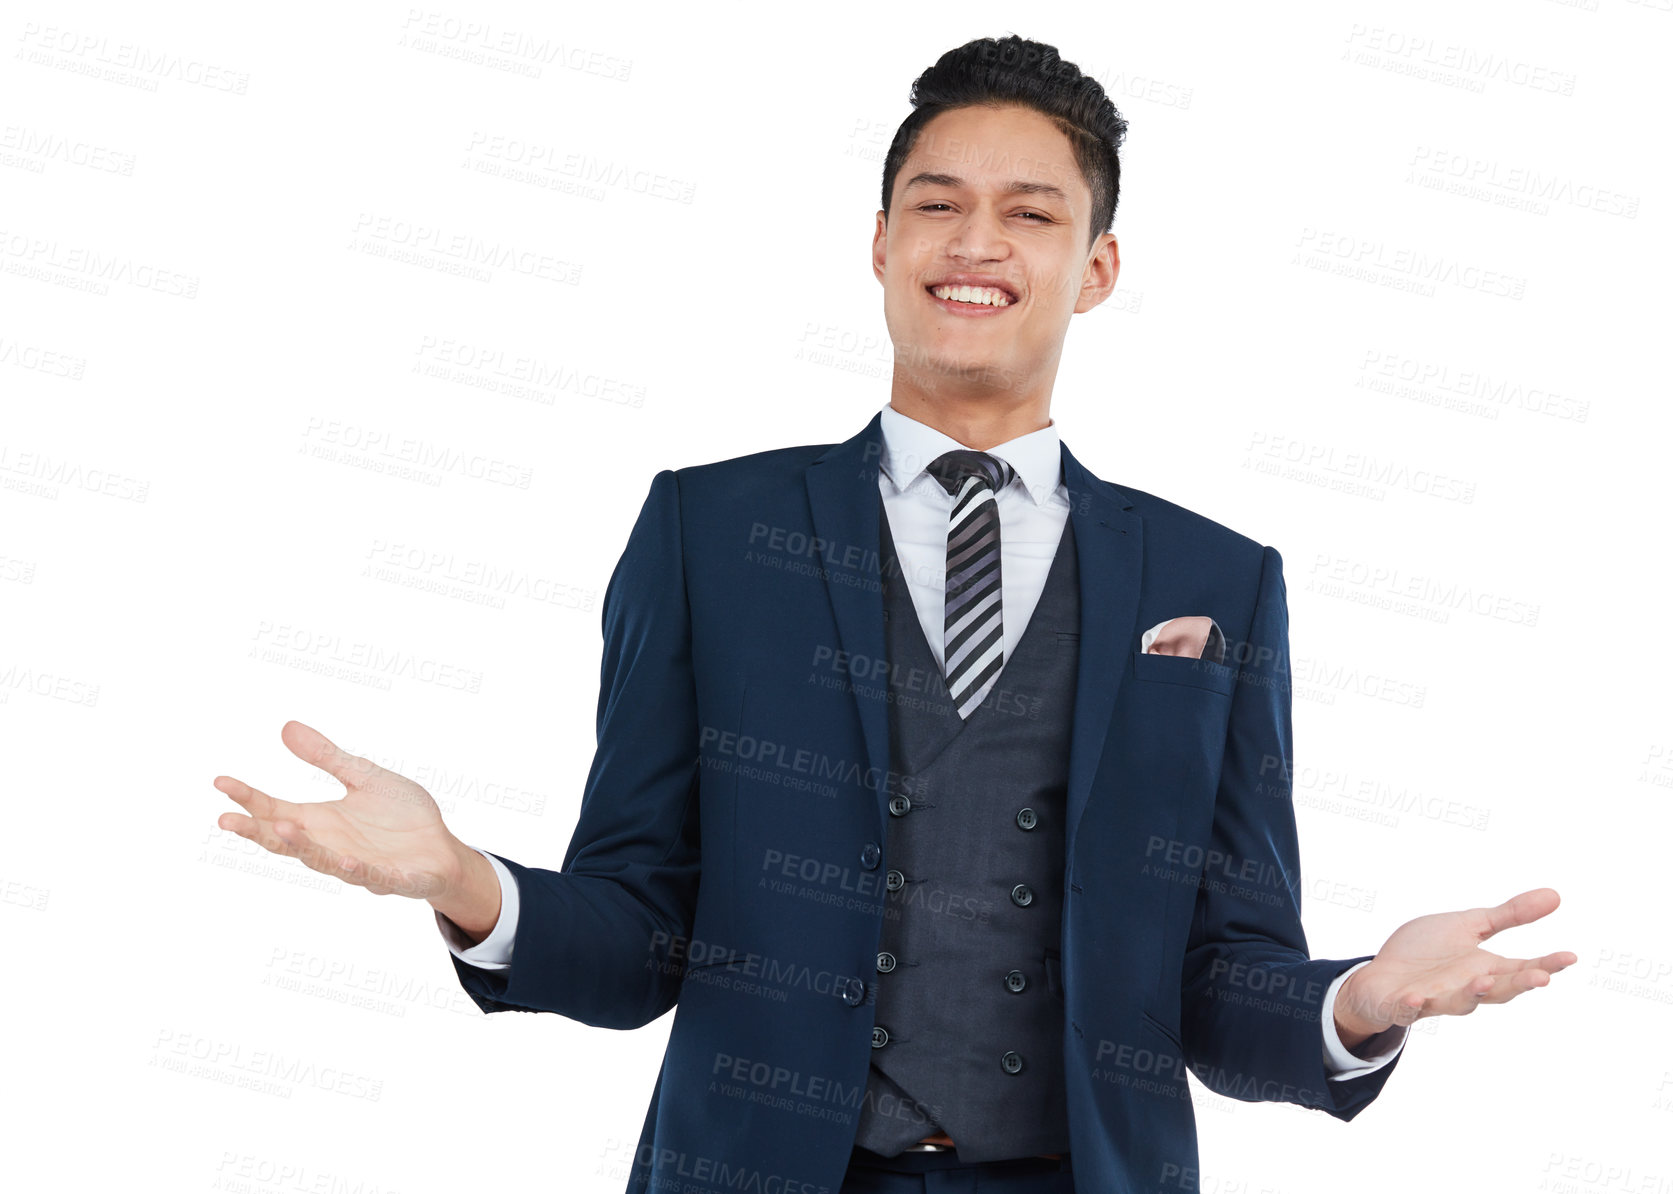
column 975, row 642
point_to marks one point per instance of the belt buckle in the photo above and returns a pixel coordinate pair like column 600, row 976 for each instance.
column 927, row 1147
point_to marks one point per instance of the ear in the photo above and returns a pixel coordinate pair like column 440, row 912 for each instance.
column 879, row 244
column 1102, row 269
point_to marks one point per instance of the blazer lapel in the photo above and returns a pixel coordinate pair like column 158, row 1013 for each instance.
column 1109, row 537
column 843, row 493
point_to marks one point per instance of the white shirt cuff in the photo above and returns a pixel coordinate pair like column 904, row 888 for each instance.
column 493, row 952
column 1339, row 1064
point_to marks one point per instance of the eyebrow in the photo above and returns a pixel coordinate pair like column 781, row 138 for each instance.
column 1017, row 186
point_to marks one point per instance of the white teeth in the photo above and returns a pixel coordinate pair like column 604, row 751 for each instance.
column 983, row 295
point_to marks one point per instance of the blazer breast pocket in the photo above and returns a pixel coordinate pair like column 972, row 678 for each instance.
column 1181, row 669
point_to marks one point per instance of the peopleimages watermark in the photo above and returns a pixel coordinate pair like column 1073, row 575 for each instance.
column 95, row 55
column 908, row 685
column 503, row 48
column 1200, row 863
column 730, row 747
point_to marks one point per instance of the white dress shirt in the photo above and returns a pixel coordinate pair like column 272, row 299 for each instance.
column 1032, row 511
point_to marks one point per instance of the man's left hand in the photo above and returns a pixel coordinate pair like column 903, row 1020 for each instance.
column 1435, row 966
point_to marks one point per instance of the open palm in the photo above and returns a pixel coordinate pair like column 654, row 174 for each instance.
column 1435, row 966
column 386, row 834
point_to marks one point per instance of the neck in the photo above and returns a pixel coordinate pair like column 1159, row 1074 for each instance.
column 977, row 421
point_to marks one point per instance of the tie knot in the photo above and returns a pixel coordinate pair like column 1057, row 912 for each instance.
column 954, row 468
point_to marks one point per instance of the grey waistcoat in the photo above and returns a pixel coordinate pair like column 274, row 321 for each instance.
column 969, row 1017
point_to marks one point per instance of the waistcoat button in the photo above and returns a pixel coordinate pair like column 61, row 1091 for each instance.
column 1027, row 818
column 1021, row 896
column 900, row 805
column 1012, row 1062
column 1016, row 980
column 869, row 854
column 885, row 962
column 895, row 880
column 879, row 1037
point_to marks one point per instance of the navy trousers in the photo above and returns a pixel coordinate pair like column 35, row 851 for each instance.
column 944, row 1173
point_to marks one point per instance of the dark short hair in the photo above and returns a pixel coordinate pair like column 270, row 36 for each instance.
column 1013, row 71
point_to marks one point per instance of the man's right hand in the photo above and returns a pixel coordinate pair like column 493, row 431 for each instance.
column 386, row 833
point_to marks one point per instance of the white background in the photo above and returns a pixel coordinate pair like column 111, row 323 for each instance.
column 1393, row 291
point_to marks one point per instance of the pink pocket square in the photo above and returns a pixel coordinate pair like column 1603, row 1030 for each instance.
column 1195, row 637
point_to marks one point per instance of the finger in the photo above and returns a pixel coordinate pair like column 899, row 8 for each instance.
column 311, row 746
column 234, row 823
column 315, row 856
column 1520, row 910
column 1409, row 1009
column 1483, row 988
column 1550, row 963
column 296, row 845
column 1456, row 996
column 260, row 832
column 1506, row 987
column 256, row 802
column 375, row 877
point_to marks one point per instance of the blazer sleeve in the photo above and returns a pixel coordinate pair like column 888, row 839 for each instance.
column 1251, row 998
column 592, row 938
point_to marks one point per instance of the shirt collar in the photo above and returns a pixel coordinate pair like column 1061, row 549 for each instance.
column 909, row 446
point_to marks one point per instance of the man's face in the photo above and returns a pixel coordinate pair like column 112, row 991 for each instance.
column 988, row 196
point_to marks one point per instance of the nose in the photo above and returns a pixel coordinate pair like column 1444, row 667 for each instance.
column 979, row 237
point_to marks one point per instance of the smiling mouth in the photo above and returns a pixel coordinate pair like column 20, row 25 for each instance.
column 972, row 297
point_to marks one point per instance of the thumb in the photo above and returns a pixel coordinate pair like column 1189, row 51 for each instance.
column 311, row 746
column 1521, row 909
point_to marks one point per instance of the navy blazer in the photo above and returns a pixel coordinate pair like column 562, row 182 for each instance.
column 728, row 853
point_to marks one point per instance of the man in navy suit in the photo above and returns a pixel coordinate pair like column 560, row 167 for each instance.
column 942, row 787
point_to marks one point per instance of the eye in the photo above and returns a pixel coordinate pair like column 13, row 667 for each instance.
column 1044, row 219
